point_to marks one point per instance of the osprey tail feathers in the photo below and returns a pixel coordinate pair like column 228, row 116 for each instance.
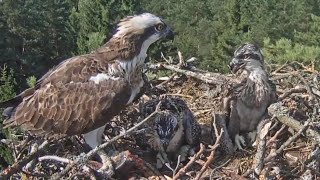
column 18, row 99
column 10, row 107
column 7, row 113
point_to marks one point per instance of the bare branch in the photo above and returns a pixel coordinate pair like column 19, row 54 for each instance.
column 291, row 91
column 213, row 150
column 288, row 142
column 274, row 137
column 176, row 168
column 182, row 62
column 166, row 81
column 17, row 166
column 183, row 170
column 164, row 58
column 100, row 147
column 308, row 88
column 210, row 78
column 281, row 112
column 258, row 164
column 55, row 158
column 30, row 166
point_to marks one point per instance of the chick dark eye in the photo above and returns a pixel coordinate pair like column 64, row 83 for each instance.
column 159, row 27
column 176, row 128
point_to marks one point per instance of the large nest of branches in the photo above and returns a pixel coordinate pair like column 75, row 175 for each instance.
column 288, row 145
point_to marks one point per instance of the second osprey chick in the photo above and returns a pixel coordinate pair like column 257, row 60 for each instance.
column 249, row 100
column 172, row 132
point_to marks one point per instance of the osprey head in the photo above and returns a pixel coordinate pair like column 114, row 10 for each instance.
column 166, row 123
column 148, row 27
column 248, row 56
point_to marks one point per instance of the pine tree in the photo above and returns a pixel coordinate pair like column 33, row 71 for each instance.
column 92, row 20
column 38, row 37
column 7, row 87
column 211, row 30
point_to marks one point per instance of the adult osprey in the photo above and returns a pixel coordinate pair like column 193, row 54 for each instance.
column 249, row 99
column 83, row 93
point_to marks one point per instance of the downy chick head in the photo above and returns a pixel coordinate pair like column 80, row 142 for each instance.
column 166, row 124
column 247, row 57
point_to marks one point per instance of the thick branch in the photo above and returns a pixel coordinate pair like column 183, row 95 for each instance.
column 281, row 112
column 210, row 78
column 288, row 142
column 261, row 149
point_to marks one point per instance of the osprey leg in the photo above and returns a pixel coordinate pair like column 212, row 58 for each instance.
column 252, row 135
column 94, row 139
column 239, row 141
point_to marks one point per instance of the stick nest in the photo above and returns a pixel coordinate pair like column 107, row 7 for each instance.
column 291, row 140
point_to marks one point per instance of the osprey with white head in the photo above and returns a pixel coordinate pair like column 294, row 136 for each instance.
column 83, row 93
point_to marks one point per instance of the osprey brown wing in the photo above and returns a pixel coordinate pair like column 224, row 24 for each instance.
column 72, row 108
column 77, row 69
column 81, row 68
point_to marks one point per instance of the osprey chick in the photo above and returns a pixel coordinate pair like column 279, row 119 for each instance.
column 81, row 94
column 173, row 131
column 249, row 99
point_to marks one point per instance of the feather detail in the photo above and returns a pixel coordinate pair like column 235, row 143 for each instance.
column 250, row 99
column 79, row 111
column 171, row 128
column 84, row 92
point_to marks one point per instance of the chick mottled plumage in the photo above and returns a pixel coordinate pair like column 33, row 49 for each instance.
column 171, row 130
column 248, row 101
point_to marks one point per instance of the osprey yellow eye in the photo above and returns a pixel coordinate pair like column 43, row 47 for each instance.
column 159, row 27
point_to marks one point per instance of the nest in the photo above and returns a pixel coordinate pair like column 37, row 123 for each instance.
column 288, row 147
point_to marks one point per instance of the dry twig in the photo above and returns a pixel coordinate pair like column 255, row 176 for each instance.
column 100, row 147
column 166, row 81
column 212, row 149
column 181, row 95
column 17, row 166
column 291, row 91
column 183, row 170
column 55, row 158
column 288, row 142
column 308, row 88
column 263, row 128
column 182, row 62
column 281, row 112
column 214, row 78
column 274, row 137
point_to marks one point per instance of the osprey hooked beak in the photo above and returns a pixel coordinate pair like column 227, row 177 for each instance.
column 248, row 56
column 165, row 142
column 168, row 33
column 236, row 64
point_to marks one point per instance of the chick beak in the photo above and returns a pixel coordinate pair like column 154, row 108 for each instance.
column 236, row 64
column 165, row 142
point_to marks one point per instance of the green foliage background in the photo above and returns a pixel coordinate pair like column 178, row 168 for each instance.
column 7, row 91
column 35, row 35
column 211, row 30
